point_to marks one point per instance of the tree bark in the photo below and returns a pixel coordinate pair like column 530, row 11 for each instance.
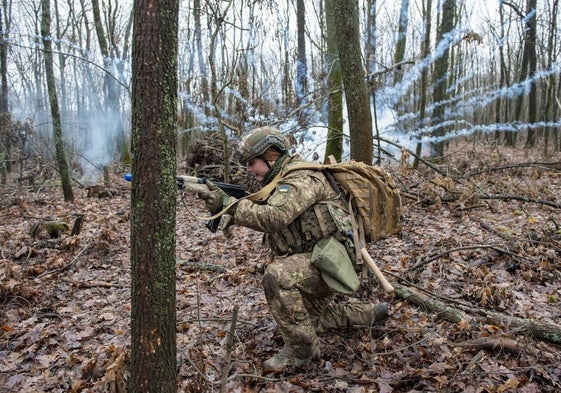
column 153, row 200
column 112, row 90
column 301, row 63
column 64, row 171
column 529, row 68
column 334, row 143
column 5, row 117
column 423, row 89
column 440, row 78
column 401, row 39
column 354, row 80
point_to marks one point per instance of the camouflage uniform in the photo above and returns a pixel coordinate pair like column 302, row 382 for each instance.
column 294, row 218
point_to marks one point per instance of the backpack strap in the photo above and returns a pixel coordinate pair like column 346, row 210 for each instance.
column 264, row 193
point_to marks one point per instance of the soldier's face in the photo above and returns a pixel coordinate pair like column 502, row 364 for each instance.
column 257, row 168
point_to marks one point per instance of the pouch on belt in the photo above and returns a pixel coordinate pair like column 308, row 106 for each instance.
column 331, row 258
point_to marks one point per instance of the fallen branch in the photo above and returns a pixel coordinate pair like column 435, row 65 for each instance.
column 540, row 165
column 498, row 343
column 507, row 197
column 490, row 228
column 431, row 258
column 228, row 362
column 535, row 329
column 66, row 267
column 99, row 284
column 425, row 303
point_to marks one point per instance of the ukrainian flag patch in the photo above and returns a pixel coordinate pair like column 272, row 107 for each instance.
column 284, row 188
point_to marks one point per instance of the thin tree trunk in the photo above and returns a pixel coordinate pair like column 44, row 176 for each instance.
column 549, row 89
column 401, row 39
column 502, row 112
column 301, row 63
column 440, row 78
column 5, row 117
column 530, row 54
column 112, row 90
column 423, row 89
column 214, row 89
column 153, row 199
column 200, row 58
column 354, row 80
column 334, row 144
column 53, row 101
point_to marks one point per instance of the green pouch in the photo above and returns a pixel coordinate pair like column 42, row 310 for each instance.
column 331, row 258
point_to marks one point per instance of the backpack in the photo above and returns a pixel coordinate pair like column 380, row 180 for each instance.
column 373, row 198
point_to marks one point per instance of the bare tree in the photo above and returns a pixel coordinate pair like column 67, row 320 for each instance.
column 153, row 200
column 112, row 90
column 401, row 39
column 528, row 71
column 440, row 77
column 63, row 169
column 5, row 117
column 334, row 144
column 354, row 79
column 423, row 88
column 549, row 95
column 301, row 63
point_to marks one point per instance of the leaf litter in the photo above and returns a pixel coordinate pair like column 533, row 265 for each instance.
column 64, row 322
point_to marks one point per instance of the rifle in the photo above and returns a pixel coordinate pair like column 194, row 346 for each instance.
column 233, row 190
column 196, row 184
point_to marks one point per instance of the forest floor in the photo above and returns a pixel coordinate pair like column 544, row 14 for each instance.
column 482, row 240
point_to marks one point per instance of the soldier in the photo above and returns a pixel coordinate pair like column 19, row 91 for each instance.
column 302, row 209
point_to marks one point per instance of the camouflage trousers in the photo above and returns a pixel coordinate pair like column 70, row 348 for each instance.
column 300, row 303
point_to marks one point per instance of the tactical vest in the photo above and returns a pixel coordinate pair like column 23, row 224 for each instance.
column 322, row 219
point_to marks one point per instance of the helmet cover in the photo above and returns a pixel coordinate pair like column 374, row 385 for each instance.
column 258, row 140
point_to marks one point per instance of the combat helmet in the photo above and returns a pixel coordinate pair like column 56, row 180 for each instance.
column 258, row 140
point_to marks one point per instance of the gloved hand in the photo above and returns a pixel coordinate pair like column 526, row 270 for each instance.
column 226, row 225
column 215, row 199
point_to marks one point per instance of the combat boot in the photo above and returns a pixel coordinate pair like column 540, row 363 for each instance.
column 379, row 313
column 286, row 357
column 368, row 314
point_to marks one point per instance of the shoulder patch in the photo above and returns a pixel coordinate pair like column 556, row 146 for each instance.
column 284, row 188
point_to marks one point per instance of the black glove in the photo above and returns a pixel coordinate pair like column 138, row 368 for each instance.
column 215, row 199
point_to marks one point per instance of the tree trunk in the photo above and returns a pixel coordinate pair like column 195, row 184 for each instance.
column 356, row 91
column 153, row 200
column 112, row 90
column 423, row 88
column 548, row 103
column 370, row 55
column 5, row 117
column 53, row 101
column 530, row 58
column 502, row 109
column 200, row 51
column 215, row 92
column 301, row 64
column 440, row 78
column 401, row 39
column 334, row 144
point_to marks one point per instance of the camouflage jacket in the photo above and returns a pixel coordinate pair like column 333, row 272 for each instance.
column 297, row 214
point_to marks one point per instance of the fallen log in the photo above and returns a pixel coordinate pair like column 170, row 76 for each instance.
column 535, row 329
